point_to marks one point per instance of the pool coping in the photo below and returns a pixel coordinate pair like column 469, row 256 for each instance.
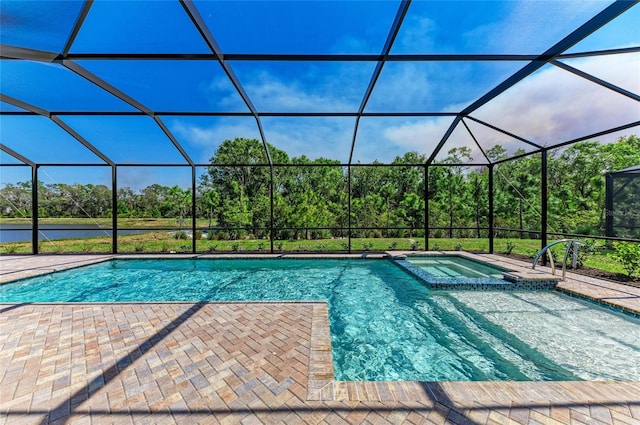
column 512, row 280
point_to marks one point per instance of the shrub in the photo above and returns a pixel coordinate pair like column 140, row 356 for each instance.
column 279, row 246
column 235, row 247
column 628, row 254
column 164, row 247
column 393, row 245
column 181, row 235
column 415, row 245
column 198, row 235
column 345, row 246
column 212, row 247
column 10, row 249
column 138, row 247
column 584, row 251
column 436, row 247
column 510, row 246
column 458, row 247
column 260, row 246
column 367, row 246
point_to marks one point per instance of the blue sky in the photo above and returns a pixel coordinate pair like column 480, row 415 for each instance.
column 549, row 107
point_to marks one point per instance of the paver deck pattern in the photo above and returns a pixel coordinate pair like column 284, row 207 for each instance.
column 246, row 363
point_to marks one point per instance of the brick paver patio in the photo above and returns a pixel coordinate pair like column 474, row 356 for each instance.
column 247, row 363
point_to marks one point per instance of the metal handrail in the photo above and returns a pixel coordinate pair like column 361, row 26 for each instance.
column 571, row 243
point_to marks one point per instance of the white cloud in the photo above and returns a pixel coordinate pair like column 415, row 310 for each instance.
column 221, row 92
column 420, row 136
column 620, row 70
column 384, row 139
column 519, row 31
column 549, row 107
column 204, row 138
column 403, row 87
column 314, row 137
column 417, row 34
column 305, row 87
column 554, row 105
column 275, row 95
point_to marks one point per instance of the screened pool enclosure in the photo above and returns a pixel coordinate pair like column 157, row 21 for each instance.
column 623, row 203
column 287, row 122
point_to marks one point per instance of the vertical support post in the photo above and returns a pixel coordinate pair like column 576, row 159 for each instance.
column 349, row 207
column 491, row 222
column 272, row 232
column 608, row 205
column 426, row 207
column 193, row 210
column 34, row 209
column 114, row 209
column 543, row 199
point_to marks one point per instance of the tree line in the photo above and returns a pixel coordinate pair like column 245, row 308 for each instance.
column 311, row 197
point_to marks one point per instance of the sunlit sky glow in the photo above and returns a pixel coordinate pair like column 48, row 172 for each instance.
column 549, row 107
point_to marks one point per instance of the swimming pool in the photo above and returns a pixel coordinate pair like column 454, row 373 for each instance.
column 385, row 324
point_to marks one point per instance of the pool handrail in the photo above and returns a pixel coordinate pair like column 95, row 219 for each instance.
column 571, row 243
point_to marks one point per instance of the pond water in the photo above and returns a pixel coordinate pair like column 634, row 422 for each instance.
column 22, row 232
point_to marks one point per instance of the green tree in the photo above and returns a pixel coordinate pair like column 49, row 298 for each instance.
column 577, row 182
column 177, row 203
column 456, row 188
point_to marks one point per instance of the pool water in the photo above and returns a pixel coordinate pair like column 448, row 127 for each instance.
column 385, row 325
column 451, row 266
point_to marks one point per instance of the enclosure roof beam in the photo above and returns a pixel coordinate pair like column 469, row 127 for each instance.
column 444, row 139
column 605, row 16
column 605, row 52
column 294, row 57
column 598, row 21
column 242, row 114
column 16, row 155
column 88, row 75
column 514, row 157
column 598, row 134
column 570, row 142
column 24, row 105
column 13, row 52
column 297, row 57
column 500, row 130
column 76, row 27
column 386, row 49
column 330, row 57
column 596, row 80
column 475, row 141
column 191, row 10
column 32, row 109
